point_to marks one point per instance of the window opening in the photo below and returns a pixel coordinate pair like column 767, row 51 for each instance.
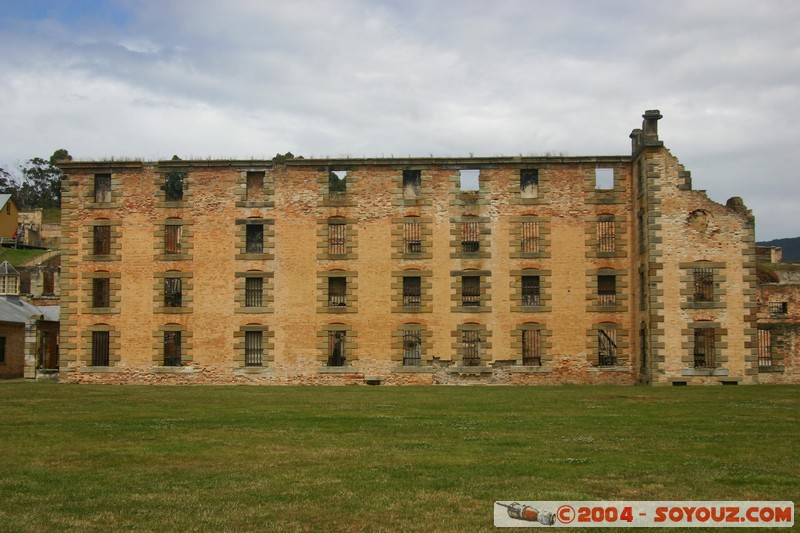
column 471, row 291
column 173, row 186
column 471, row 341
column 606, row 234
column 100, row 292
column 531, row 347
column 764, row 347
column 253, row 292
column 529, row 183
column 337, row 292
column 337, row 183
column 530, row 291
column 412, row 291
column 606, row 347
column 100, row 348
column 704, row 348
column 336, row 348
column 778, row 308
column 606, row 289
column 412, row 348
column 604, row 178
column 172, row 292
column 255, row 186
column 172, row 348
column 412, row 242
column 253, row 348
column 470, row 235
column 411, row 184
column 48, row 283
column 337, row 237
column 703, row 284
column 172, row 238
column 102, row 188
column 102, row 240
column 530, row 237
column 469, row 180
column 254, row 239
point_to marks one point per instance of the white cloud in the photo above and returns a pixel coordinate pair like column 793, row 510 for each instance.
column 253, row 78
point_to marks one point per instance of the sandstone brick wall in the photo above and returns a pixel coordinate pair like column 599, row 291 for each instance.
column 572, row 320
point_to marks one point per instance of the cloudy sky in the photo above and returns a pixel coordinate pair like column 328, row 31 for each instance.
column 248, row 78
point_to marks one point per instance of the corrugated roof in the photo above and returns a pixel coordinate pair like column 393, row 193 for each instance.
column 15, row 310
column 51, row 313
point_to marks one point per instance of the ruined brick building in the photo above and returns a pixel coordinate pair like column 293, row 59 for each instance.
column 607, row 269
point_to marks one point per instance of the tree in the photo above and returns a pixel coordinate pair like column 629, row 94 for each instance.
column 39, row 182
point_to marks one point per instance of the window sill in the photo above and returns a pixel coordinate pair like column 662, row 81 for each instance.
column 620, row 368
column 771, row 369
column 470, row 370
column 705, row 372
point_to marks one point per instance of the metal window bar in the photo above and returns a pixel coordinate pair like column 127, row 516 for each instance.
column 412, row 348
column 412, row 291
column 100, row 292
column 606, row 290
column 253, row 348
column 253, row 292
column 704, row 356
column 172, row 348
column 337, row 292
column 531, row 347
column 102, row 240
column 606, row 235
column 606, row 347
column 764, row 347
column 337, row 238
column 412, row 242
column 471, row 341
column 173, row 186
column 255, row 186
column 471, row 291
column 337, row 343
column 100, row 348
column 172, row 239
column 173, row 296
column 102, row 188
column 531, row 295
column 254, row 239
column 530, row 237
column 778, row 308
column 470, row 237
column 703, row 285
column 411, row 184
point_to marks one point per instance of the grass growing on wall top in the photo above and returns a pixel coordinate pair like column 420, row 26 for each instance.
column 106, row 458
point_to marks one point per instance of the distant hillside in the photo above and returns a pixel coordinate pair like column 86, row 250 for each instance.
column 791, row 247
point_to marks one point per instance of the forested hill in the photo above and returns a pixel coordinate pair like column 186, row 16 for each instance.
column 791, row 247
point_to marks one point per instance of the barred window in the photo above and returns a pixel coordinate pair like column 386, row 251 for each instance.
column 101, row 292
column 778, row 308
column 102, row 188
column 100, row 348
column 704, row 349
column 172, row 348
column 606, row 289
column 471, row 291
column 253, row 348
column 412, row 291
column 606, row 347
column 337, row 237
column 412, row 241
column 173, row 296
column 412, row 348
column 531, row 347
column 530, row 237
column 173, row 186
column 529, row 183
column 530, row 291
column 606, row 234
column 471, row 342
column 470, row 235
column 337, row 292
column 172, row 238
column 253, row 292
column 101, row 240
column 764, row 347
column 254, row 239
column 411, row 184
column 337, row 355
column 703, row 284
column 255, row 186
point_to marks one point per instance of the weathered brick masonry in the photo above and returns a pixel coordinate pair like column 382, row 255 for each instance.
column 277, row 272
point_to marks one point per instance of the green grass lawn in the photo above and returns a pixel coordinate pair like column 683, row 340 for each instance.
column 125, row 458
column 16, row 257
